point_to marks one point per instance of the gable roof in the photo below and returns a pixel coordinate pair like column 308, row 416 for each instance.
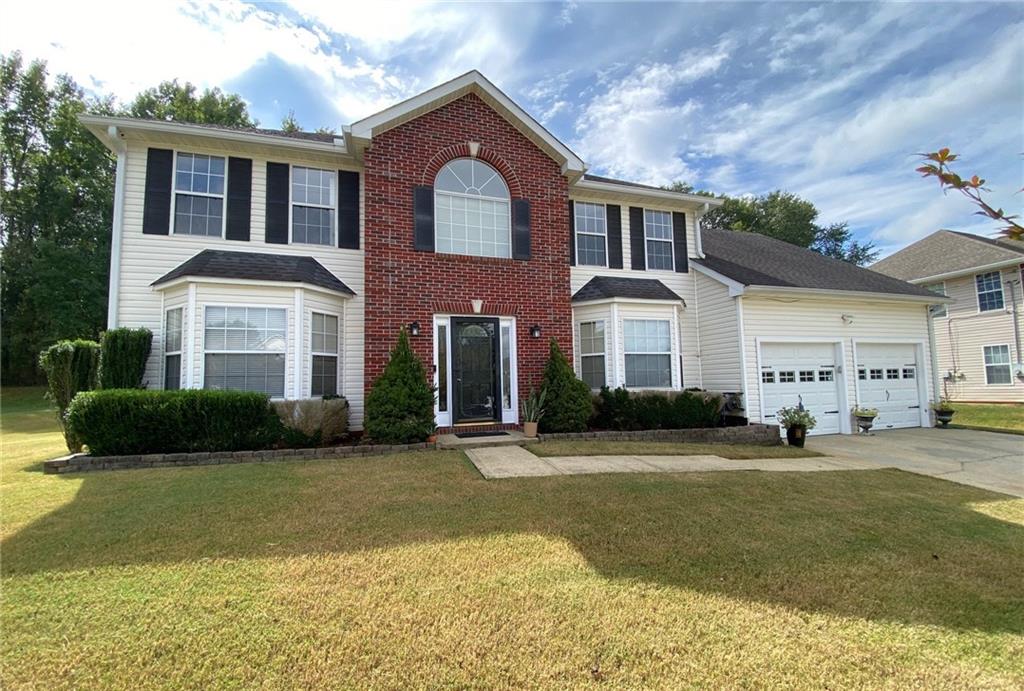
column 946, row 252
column 607, row 287
column 257, row 266
column 758, row 260
column 471, row 82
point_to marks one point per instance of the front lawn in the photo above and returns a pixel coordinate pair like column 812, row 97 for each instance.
column 412, row 571
column 1006, row 417
column 588, row 447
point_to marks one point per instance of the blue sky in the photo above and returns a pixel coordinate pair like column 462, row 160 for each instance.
column 828, row 101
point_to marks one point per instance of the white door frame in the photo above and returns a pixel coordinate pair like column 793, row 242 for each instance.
column 839, row 346
column 924, row 414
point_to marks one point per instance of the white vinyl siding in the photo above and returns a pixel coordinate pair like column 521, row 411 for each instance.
column 938, row 311
column 715, row 311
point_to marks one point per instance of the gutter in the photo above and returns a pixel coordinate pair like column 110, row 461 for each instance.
column 967, row 272
column 934, row 299
column 114, row 141
column 613, row 188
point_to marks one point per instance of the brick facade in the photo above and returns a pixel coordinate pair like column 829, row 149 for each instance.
column 404, row 285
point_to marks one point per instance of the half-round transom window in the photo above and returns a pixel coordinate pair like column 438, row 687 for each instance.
column 471, row 210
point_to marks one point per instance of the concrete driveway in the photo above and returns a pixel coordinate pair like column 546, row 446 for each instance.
column 982, row 459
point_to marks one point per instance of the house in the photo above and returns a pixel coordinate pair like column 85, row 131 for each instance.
column 977, row 335
column 288, row 262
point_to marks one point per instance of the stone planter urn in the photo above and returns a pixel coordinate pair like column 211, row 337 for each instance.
column 943, row 417
column 865, row 423
column 796, row 435
column 530, row 429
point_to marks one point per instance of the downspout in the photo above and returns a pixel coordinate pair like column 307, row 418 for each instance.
column 696, row 317
column 933, row 356
column 696, row 230
column 117, row 227
column 1016, row 322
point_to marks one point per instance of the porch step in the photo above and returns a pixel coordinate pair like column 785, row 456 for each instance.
column 510, row 438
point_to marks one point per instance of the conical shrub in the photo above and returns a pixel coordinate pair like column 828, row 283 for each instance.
column 400, row 406
column 569, row 404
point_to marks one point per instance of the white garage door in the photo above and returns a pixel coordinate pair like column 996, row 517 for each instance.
column 794, row 373
column 887, row 379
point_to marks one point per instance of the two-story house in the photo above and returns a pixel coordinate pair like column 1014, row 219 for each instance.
column 977, row 335
column 287, row 263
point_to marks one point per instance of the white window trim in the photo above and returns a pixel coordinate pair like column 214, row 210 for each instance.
column 1008, row 365
column 602, row 354
column 603, row 236
column 336, row 355
column 671, row 354
column 180, row 351
column 671, row 241
column 288, row 353
column 507, row 201
column 291, row 207
column 943, row 306
column 977, row 293
column 222, row 197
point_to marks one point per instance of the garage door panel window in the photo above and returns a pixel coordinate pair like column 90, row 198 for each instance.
column 768, row 377
column 787, row 377
column 806, row 376
column 876, row 374
column 245, row 349
column 826, row 375
column 648, row 353
column 909, row 373
column 592, row 355
column 997, row 365
column 990, row 291
column 893, row 373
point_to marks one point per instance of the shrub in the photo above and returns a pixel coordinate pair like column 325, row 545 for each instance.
column 313, row 421
column 622, row 410
column 692, row 409
column 70, row 367
column 653, row 410
column 400, row 406
column 123, row 355
column 613, row 409
column 138, row 421
column 569, row 404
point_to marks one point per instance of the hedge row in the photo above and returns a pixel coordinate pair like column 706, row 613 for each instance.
column 621, row 410
column 70, row 367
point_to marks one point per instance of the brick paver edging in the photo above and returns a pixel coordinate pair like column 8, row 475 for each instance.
column 749, row 434
column 80, row 462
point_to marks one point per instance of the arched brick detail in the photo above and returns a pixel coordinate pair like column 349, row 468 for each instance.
column 484, row 154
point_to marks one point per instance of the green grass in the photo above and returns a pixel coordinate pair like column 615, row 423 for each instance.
column 1006, row 417
column 412, row 571
column 658, row 448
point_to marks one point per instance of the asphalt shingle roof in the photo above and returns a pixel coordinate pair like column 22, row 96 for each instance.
column 948, row 251
column 327, row 137
column 257, row 266
column 604, row 287
column 753, row 259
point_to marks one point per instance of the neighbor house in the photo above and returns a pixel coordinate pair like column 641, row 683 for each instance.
column 288, row 262
column 977, row 335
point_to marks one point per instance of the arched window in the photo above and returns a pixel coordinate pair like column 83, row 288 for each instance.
column 471, row 210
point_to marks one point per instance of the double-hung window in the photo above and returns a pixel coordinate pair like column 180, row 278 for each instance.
column 592, row 357
column 172, row 349
column 990, row 291
column 658, row 238
column 324, row 380
column 591, row 234
column 937, row 311
column 313, row 205
column 997, row 365
column 199, row 195
column 245, row 349
column 472, row 211
column 648, row 353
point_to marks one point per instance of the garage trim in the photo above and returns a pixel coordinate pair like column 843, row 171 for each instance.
column 922, row 382
column 845, row 422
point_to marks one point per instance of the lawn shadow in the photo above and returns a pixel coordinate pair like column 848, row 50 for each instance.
column 881, row 545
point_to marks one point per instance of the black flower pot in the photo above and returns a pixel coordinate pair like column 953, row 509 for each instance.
column 943, row 416
column 865, row 423
column 796, row 435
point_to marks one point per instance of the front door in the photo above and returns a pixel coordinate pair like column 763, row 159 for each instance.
column 475, row 369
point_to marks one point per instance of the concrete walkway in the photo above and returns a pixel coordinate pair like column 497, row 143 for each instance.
column 512, row 461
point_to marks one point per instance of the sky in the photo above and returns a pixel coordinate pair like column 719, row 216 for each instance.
column 829, row 101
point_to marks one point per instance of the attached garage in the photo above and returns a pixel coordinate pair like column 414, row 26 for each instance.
column 889, row 379
column 798, row 373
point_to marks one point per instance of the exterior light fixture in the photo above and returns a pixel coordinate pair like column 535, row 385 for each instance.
column 414, row 329
column 535, row 331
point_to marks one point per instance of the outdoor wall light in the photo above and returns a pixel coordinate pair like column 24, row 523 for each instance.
column 535, row 331
column 414, row 329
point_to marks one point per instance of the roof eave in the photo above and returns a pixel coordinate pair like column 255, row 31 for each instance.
column 968, row 272
column 160, row 285
column 629, row 190
column 767, row 290
column 631, row 301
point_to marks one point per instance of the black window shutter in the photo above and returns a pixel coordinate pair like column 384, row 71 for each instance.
column 613, row 219
column 423, row 218
column 239, row 198
column 637, row 245
column 156, row 209
column 679, row 241
column 520, row 228
column 572, row 233
column 277, row 203
column 348, row 209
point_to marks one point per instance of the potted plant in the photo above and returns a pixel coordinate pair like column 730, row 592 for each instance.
column 865, row 418
column 533, row 410
column 797, row 420
column 943, row 411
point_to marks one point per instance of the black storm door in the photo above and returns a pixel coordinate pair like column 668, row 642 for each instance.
column 475, row 366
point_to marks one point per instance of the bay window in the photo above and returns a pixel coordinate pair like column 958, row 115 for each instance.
column 648, row 351
column 172, row 349
column 244, row 349
column 324, row 377
column 592, row 354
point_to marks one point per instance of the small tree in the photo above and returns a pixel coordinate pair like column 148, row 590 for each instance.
column 70, row 367
column 569, row 403
column 400, row 406
column 123, row 355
